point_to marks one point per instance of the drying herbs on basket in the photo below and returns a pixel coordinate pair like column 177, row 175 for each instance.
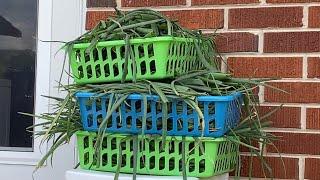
column 125, row 61
column 65, row 121
column 139, row 44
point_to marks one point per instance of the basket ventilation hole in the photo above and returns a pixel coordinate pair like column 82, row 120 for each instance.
column 170, row 124
column 180, row 147
column 191, row 148
column 122, row 52
column 152, row 162
column 131, row 161
column 153, row 67
column 106, row 70
column 86, row 142
column 192, row 165
column 139, row 123
column 104, row 159
column 171, row 164
column 86, row 57
column 141, row 51
column 89, row 71
column 113, row 53
column 86, row 158
column 143, row 68
column 190, row 125
column 80, row 72
column 212, row 126
column 151, row 146
column 142, row 162
column 114, row 160
column 124, row 160
column 138, row 105
column 129, row 121
column 180, row 124
column 115, row 70
column 211, row 108
column 180, row 165
column 150, row 50
column 159, row 123
column 90, row 120
column 98, row 71
column 202, row 166
column 182, row 47
column 118, row 121
column 104, row 53
column 95, row 54
column 149, row 123
column 78, row 56
column 171, row 147
column 161, row 163
column 131, row 145
column 105, row 143
column 113, row 144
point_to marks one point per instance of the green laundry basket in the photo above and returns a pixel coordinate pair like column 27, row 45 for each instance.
column 155, row 58
column 218, row 156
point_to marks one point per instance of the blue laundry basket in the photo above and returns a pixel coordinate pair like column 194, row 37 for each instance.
column 220, row 114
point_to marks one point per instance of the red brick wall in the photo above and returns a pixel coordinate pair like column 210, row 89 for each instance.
column 261, row 38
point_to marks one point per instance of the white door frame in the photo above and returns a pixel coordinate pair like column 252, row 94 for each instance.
column 41, row 85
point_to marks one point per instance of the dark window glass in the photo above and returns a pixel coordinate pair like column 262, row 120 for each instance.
column 18, row 26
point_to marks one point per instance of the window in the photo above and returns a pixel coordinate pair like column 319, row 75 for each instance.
column 18, row 26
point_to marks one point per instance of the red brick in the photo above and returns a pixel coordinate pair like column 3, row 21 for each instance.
column 101, row 3
column 285, row 117
column 93, row 17
column 295, row 42
column 292, row 1
column 198, row 19
column 298, row 92
column 194, row 19
column 314, row 67
column 260, row 67
column 289, row 171
column 296, row 143
column 314, row 17
column 282, row 17
column 148, row 3
column 220, row 2
column 313, row 118
column 312, row 168
column 237, row 42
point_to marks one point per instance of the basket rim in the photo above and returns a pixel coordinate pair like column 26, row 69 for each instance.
column 135, row 96
column 168, row 138
column 134, row 41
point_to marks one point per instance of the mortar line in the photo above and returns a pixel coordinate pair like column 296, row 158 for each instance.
column 233, row 6
column 118, row 2
column 305, row 17
column 292, row 130
column 303, row 117
column 301, row 168
column 263, row 2
column 305, row 67
column 188, row 3
column 226, row 19
column 252, row 54
column 260, row 42
column 286, row 155
column 261, row 94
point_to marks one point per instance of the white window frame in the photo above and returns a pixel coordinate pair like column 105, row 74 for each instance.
column 42, row 85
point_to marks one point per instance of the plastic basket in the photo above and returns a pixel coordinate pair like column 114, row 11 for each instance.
column 216, row 156
column 155, row 58
column 220, row 114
